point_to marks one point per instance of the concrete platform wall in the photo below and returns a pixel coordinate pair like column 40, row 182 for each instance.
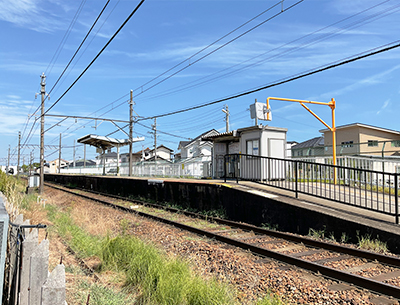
column 285, row 214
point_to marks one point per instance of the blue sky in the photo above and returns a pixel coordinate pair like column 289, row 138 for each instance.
column 165, row 33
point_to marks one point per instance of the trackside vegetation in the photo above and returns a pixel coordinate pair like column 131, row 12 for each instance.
column 155, row 277
column 149, row 275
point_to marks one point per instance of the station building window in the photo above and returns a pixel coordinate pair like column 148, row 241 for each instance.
column 373, row 143
column 252, row 147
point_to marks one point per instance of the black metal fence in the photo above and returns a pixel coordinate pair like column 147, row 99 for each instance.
column 373, row 190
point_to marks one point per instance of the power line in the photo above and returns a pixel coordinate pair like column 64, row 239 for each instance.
column 98, row 54
column 63, row 42
column 65, row 37
column 90, row 42
column 217, row 75
column 77, row 50
column 314, row 40
column 220, row 47
column 336, row 64
column 166, row 133
column 237, row 37
column 211, row 44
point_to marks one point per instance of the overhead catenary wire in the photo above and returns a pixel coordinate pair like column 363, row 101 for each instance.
column 220, row 47
column 347, row 60
column 79, row 47
column 227, row 43
column 64, row 39
column 336, row 31
column 91, row 40
column 312, row 41
column 208, row 46
column 310, row 34
column 97, row 56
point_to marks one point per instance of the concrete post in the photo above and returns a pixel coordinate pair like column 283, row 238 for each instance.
column 28, row 247
column 39, row 271
column 26, row 230
column 53, row 291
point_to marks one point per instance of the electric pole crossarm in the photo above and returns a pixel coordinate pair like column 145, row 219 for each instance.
column 120, row 128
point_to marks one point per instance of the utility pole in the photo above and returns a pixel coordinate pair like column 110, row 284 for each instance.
column 226, row 111
column 59, row 157
column 30, row 163
column 8, row 162
column 74, row 154
column 19, row 151
column 84, row 155
column 256, row 115
column 42, row 92
column 130, row 132
column 155, row 139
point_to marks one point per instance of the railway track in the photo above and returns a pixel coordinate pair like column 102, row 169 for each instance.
column 375, row 272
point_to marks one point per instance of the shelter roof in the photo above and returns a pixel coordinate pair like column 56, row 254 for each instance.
column 104, row 142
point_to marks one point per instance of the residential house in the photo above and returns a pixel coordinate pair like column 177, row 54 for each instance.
column 363, row 140
column 110, row 157
column 310, row 148
column 138, row 156
column 56, row 164
column 163, row 153
column 196, row 147
column 289, row 145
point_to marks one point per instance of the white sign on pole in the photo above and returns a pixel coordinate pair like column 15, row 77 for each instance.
column 260, row 111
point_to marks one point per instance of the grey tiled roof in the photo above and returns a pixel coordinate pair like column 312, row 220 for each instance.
column 314, row 142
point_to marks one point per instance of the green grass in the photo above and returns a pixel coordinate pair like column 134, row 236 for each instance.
column 101, row 295
column 270, row 299
column 159, row 279
column 366, row 243
column 83, row 244
column 318, row 234
column 162, row 280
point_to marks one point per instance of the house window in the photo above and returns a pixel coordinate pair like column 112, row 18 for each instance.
column 372, row 143
column 395, row 143
column 347, row 144
column 252, row 147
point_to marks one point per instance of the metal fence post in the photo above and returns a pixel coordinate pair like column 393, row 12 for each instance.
column 396, row 196
column 296, row 178
column 224, row 168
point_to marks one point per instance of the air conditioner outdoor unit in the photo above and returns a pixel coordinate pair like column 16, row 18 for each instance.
column 4, row 219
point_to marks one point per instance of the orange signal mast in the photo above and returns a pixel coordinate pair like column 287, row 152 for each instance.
column 331, row 104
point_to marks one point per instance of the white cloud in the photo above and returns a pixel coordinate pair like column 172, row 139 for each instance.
column 371, row 80
column 18, row 11
column 29, row 14
column 385, row 104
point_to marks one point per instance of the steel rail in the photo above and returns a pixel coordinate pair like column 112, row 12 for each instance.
column 390, row 260
column 357, row 280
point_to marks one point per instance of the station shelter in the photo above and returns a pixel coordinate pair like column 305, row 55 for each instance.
column 259, row 140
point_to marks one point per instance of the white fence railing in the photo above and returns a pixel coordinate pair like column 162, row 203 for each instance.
column 190, row 168
column 387, row 164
